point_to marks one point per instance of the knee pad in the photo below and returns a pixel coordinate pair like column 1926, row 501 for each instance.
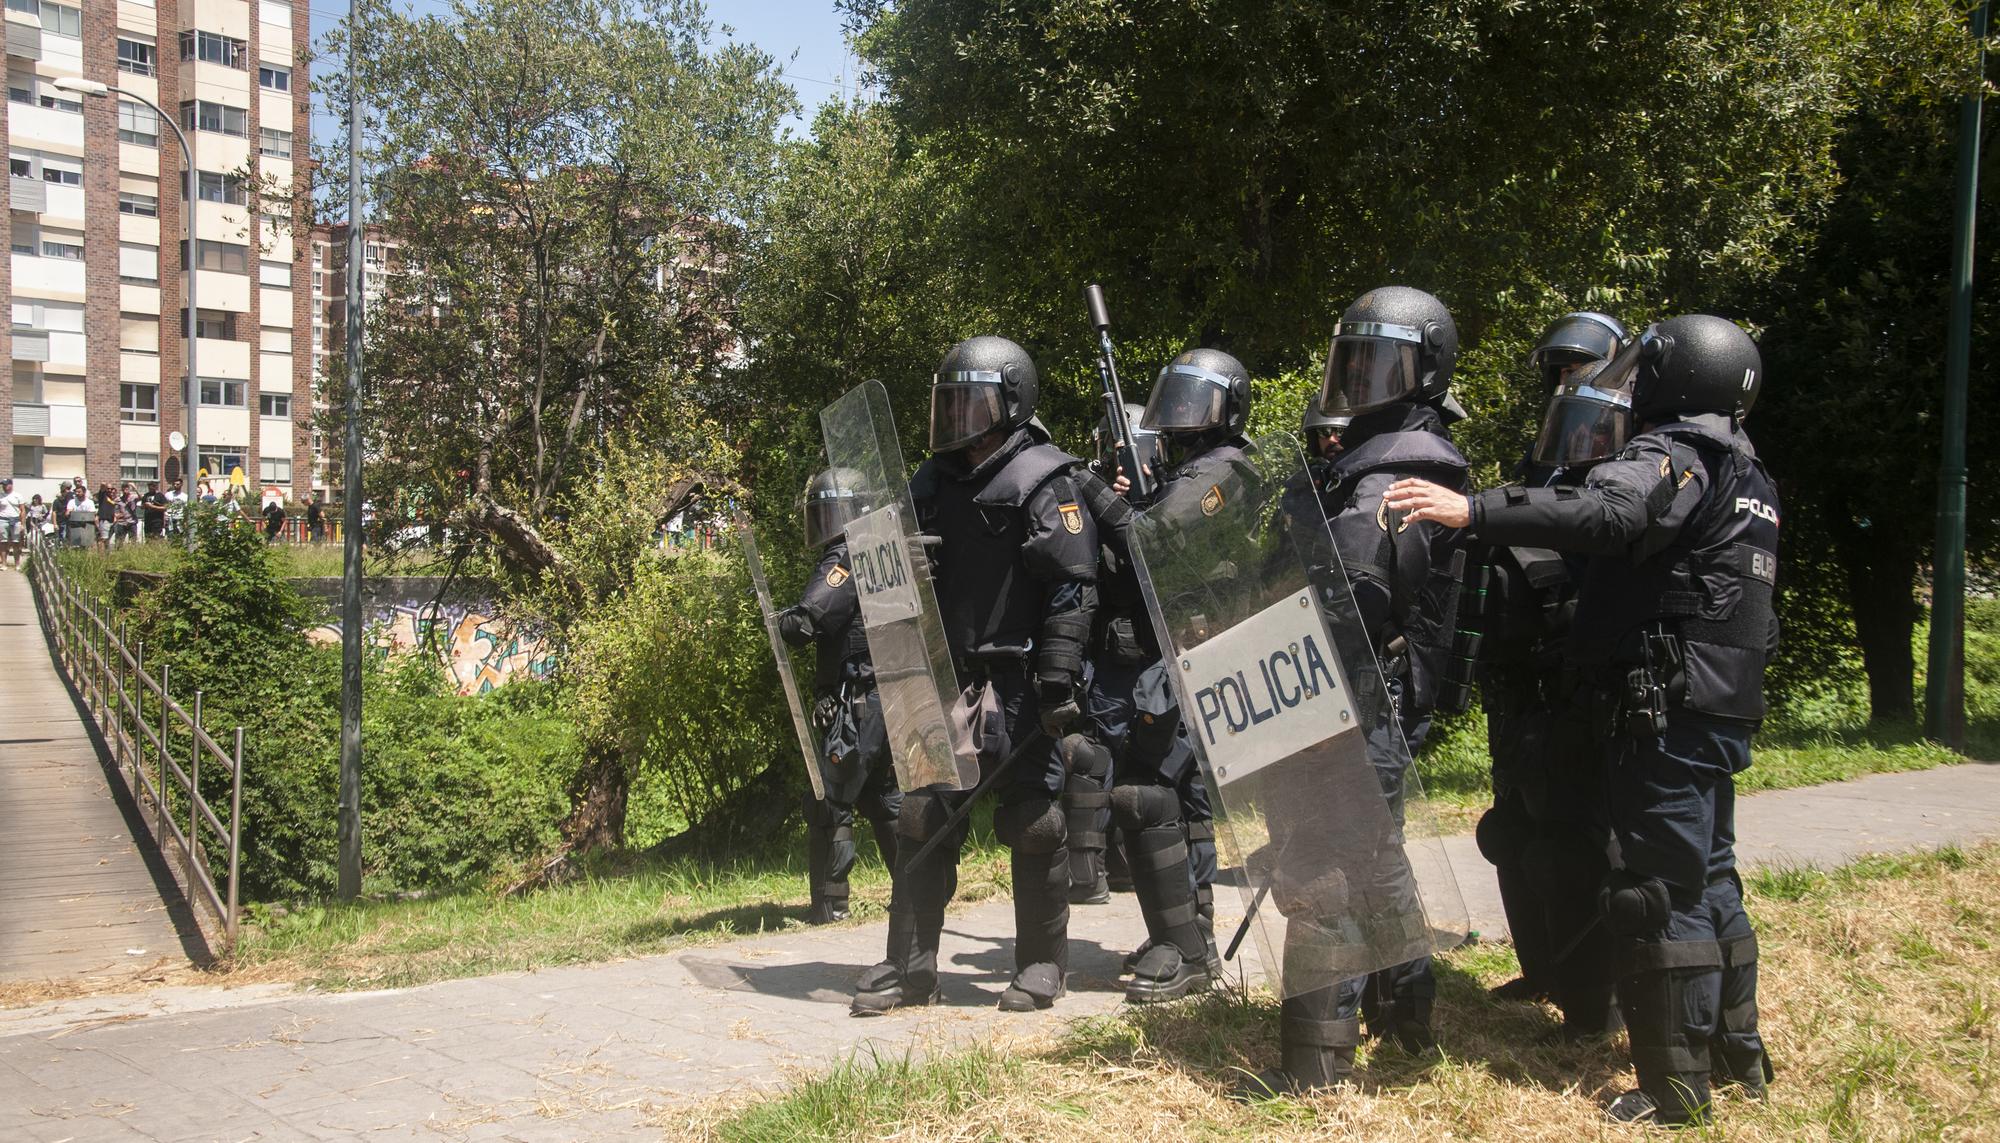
column 1634, row 906
column 922, row 814
column 1034, row 826
column 1137, row 807
column 1085, row 757
column 1503, row 832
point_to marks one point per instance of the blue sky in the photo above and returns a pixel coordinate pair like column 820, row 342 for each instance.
column 803, row 35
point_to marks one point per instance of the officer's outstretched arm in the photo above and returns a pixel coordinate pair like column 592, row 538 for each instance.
column 1625, row 503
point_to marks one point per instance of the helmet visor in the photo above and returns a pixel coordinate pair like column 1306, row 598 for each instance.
column 1186, row 398
column 1579, row 429
column 1368, row 372
column 827, row 513
column 964, row 407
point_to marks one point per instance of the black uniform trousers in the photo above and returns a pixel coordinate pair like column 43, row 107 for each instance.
column 1028, row 818
column 1113, row 718
column 864, row 780
column 1690, row 985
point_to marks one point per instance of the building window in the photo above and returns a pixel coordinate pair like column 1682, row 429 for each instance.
column 137, row 57
column 27, row 458
column 274, row 143
column 226, row 257
column 27, row 240
column 275, row 274
column 28, row 89
column 201, row 115
column 274, row 77
column 143, row 205
column 61, row 176
column 274, row 405
column 67, row 251
column 211, row 186
column 20, row 168
column 138, row 263
column 277, row 13
column 138, row 124
column 215, row 48
column 143, row 467
column 216, row 325
column 222, row 393
column 275, row 470
column 138, row 404
column 62, row 20
column 221, row 464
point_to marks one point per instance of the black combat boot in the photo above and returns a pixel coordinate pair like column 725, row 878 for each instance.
column 1314, row 1053
column 908, row 977
column 1175, row 961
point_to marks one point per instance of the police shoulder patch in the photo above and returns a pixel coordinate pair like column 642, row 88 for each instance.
column 1212, row 500
column 1666, row 465
column 837, row 576
column 1072, row 518
column 1383, row 515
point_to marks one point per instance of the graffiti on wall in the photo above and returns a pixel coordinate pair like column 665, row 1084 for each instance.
column 482, row 651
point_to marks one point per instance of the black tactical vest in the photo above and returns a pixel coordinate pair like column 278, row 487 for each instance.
column 1712, row 588
column 987, row 595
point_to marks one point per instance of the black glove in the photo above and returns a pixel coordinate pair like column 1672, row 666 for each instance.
column 795, row 627
column 1058, row 706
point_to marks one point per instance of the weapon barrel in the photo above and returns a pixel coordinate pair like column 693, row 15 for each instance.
column 1114, row 398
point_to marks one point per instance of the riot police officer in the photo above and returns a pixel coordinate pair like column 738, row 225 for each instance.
column 1199, row 407
column 1016, row 567
column 1547, row 835
column 854, row 759
column 1389, row 367
column 1120, row 638
column 1676, row 608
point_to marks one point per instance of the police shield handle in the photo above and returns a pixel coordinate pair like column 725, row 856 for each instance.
column 781, row 654
column 1135, row 473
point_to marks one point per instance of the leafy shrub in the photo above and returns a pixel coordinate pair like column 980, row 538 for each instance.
column 454, row 789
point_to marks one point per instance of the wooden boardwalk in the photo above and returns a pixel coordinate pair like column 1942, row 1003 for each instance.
column 78, row 897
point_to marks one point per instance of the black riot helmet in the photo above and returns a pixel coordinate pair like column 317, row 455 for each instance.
column 983, row 384
column 1200, row 391
column 1572, row 342
column 1695, row 363
column 1317, row 422
column 1394, row 344
column 1104, row 441
column 830, row 501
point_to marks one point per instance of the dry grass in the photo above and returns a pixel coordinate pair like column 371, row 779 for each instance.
column 1879, row 994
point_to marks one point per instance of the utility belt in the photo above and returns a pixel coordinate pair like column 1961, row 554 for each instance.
column 994, row 662
column 1634, row 699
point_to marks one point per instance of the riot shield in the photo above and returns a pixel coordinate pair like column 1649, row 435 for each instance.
column 1295, row 730
column 913, row 671
column 781, row 653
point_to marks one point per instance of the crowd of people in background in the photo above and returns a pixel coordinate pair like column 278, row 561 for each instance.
column 117, row 514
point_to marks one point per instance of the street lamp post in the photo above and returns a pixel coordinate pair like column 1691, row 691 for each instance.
column 80, row 86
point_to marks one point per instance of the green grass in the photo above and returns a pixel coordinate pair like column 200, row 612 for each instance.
column 97, row 570
column 1880, row 1011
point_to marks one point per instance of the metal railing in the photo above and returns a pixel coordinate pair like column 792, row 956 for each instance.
column 158, row 745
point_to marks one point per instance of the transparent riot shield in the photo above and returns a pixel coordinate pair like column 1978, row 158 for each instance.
column 781, row 653
column 913, row 671
column 1297, row 736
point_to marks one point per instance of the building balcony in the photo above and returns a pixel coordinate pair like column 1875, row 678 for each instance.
column 48, row 277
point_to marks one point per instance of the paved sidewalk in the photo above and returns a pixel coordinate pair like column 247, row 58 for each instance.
column 592, row 1051
column 78, row 898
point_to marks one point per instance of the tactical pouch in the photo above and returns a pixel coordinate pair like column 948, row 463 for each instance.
column 978, row 725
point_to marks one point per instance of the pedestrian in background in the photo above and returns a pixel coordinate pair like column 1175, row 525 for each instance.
column 274, row 519
column 80, row 516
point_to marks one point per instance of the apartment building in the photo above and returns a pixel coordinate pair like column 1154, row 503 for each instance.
column 97, row 275
column 329, row 325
